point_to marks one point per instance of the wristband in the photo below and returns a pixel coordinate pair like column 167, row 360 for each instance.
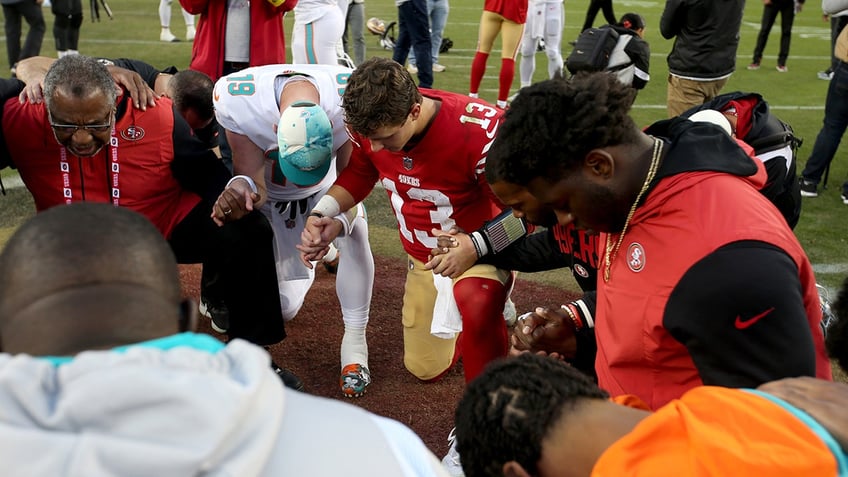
column 583, row 311
column 479, row 244
column 572, row 313
column 346, row 218
column 246, row 179
column 327, row 206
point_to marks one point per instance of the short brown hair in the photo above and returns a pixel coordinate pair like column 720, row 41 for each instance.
column 380, row 93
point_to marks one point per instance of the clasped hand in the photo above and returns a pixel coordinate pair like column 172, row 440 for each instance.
column 316, row 237
column 545, row 331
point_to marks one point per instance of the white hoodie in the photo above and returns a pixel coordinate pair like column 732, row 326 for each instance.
column 187, row 405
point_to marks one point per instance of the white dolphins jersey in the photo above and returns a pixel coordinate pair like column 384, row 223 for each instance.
column 247, row 102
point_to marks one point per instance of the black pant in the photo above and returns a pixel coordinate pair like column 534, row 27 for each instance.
column 414, row 32
column 592, row 12
column 786, row 8
column 239, row 270
column 31, row 12
column 67, row 23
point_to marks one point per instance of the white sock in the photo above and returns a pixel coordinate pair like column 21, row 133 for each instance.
column 354, row 347
column 474, row 95
column 502, row 104
column 188, row 17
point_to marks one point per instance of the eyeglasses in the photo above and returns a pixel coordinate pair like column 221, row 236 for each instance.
column 71, row 129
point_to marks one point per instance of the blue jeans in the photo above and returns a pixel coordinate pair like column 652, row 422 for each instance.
column 438, row 11
column 414, row 32
column 835, row 123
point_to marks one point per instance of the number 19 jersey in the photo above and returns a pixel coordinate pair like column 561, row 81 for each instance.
column 247, row 102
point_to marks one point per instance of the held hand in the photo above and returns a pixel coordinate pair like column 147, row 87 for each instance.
column 453, row 255
column 547, row 330
column 824, row 400
column 316, row 237
column 142, row 95
column 33, row 93
column 234, row 203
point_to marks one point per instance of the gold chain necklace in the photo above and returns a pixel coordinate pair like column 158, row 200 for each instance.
column 612, row 250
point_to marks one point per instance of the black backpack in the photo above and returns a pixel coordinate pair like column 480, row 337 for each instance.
column 592, row 50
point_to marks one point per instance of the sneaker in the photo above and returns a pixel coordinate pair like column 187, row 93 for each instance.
column 168, row 37
column 218, row 313
column 190, row 32
column 808, row 188
column 413, row 70
column 437, row 68
column 289, row 379
column 754, row 66
column 354, row 380
column 451, row 460
column 828, row 317
column 825, row 75
column 781, row 68
column 844, row 197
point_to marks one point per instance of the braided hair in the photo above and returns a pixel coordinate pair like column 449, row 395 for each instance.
column 508, row 410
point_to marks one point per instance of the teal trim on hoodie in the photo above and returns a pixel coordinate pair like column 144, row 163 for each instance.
column 818, row 429
column 198, row 341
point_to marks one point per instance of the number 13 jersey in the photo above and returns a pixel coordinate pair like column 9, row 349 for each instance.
column 438, row 183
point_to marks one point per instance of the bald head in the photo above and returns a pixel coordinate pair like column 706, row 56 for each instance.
column 86, row 276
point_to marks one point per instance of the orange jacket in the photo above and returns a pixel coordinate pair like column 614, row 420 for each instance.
column 714, row 431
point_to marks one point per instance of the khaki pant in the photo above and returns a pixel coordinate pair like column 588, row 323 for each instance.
column 425, row 355
column 684, row 94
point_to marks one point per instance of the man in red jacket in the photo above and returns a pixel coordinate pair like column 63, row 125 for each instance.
column 86, row 143
column 232, row 35
column 700, row 280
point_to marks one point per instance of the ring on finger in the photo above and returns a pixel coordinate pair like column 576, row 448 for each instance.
column 228, row 211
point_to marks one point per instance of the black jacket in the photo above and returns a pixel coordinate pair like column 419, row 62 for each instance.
column 706, row 34
column 768, row 133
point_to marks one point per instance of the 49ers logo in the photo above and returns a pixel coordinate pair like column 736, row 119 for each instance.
column 636, row 257
column 132, row 133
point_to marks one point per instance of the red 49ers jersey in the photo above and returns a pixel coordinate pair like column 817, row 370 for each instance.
column 440, row 182
column 514, row 10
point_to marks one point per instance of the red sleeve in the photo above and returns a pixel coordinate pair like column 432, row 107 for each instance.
column 359, row 176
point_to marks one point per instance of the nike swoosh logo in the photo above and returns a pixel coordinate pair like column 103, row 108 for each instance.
column 742, row 324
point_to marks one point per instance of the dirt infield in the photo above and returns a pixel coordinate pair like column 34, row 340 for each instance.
column 312, row 350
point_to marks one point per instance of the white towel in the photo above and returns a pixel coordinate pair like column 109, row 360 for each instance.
column 447, row 321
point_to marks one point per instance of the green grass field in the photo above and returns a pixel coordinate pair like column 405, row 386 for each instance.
column 797, row 96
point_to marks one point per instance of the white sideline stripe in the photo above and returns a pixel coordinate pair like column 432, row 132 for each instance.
column 830, row 268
